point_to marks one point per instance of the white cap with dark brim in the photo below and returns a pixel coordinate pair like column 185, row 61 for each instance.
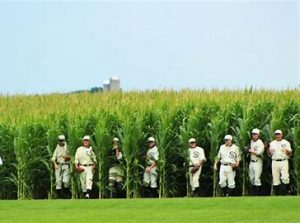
column 255, row 131
column 192, row 140
column 61, row 138
column 278, row 131
column 86, row 138
column 151, row 139
column 228, row 137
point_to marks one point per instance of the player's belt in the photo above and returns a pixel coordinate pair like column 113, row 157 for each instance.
column 63, row 164
column 254, row 161
column 280, row 160
column 86, row 165
column 226, row 164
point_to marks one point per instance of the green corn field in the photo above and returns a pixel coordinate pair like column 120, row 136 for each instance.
column 29, row 126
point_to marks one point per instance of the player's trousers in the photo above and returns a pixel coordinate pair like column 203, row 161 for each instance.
column 150, row 179
column 62, row 176
column 226, row 175
column 194, row 178
column 116, row 173
column 280, row 172
column 255, row 170
column 86, row 178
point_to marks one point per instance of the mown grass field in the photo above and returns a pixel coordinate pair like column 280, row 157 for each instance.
column 223, row 210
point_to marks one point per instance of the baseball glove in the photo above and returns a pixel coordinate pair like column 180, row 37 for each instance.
column 234, row 167
column 79, row 170
column 195, row 169
column 267, row 144
column 67, row 158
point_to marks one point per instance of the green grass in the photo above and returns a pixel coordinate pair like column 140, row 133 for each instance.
column 181, row 210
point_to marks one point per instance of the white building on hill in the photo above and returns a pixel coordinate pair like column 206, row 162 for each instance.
column 113, row 84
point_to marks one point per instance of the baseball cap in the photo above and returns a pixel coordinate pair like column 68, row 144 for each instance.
column 192, row 140
column 278, row 131
column 61, row 138
column 86, row 138
column 116, row 139
column 255, row 131
column 228, row 137
column 151, row 139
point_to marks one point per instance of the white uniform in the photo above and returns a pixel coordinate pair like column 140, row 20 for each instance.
column 62, row 174
column 228, row 155
column 196, row 157
column 280, row 164
column 152, row 157
column 1, row 162
column 86, row 158
column 256, row 162
column 116, row 172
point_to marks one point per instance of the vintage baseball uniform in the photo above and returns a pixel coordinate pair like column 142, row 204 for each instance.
column 280, row 164
column 228, row 155
column 151, row 157
column 62, row 174
column 116, row 172
column 256, row 162
column 1, row 162
column 86, row 158
column 196, row 157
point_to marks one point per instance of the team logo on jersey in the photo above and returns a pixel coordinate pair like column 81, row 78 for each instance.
column 88, row 152
column 283, row 145
column 232, row 155
column 195, row 154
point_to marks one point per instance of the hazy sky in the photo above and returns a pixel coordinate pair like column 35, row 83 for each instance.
column 59, row 47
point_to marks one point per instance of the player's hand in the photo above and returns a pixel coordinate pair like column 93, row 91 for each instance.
column 94, row 166
column 56, row 166
column 148, row 169
column 79, row 169
column 234, row 167
column 215, row 167
column 251, row 151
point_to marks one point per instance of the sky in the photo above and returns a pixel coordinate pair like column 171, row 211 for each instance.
column 53, row 46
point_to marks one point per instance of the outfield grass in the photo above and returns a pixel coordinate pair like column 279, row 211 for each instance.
column 242, row 209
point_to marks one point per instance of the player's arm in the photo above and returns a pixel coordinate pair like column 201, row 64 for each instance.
column 268, row 147
column 217, row 160
column 154, row 160
column 76, row 162
column 238, row 158
column 202, row 157
column 53, row 159
column 287, row 150
column 260, row 150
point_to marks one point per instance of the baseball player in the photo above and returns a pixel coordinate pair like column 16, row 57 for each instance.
column 61, row 163
column 229, row 156
column 151, row 174
column 1, row 162
column 196, row 159
column 280, row 151
column 85, row 163
column 255, row 151
column 116, row 171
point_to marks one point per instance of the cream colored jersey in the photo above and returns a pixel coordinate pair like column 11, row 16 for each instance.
column 85, row 156
column 152, row 155
column 276, row 148
column 196, row 155
column 59, row 153
column 258, row 147
column 229, row 154
column 1, row 162
column 119, row 156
